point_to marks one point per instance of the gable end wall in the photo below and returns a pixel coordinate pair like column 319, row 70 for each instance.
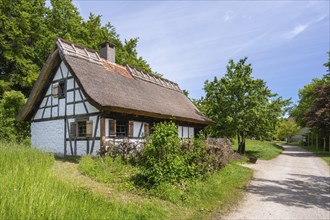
column 50, row 123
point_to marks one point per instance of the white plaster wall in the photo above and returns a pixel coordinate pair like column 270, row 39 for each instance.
column 64, row 69
column 43, row 103
column 62, row 107
column 38, row 114
column 69, row 110
column 58, row 74
column 69, row 83
column 69, row 96
column 49, row 91
column 82, row 146
column 48, row 135
column 47, row 113
column 54, row 112
column 91, row 109
column 80, row 109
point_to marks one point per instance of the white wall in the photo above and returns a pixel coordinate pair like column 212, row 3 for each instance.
column 53, row 100
column 48, row 135
column 82, row 147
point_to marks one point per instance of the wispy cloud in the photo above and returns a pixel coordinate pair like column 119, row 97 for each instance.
column 296, row 31
column 228, row 16
column 190, row 42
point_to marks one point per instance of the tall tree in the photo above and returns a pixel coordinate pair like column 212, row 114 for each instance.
column 22, row 30
column 318, row 114
column 309, row 95
column 240, row 105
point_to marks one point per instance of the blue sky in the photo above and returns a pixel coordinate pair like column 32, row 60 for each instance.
column 192, row 41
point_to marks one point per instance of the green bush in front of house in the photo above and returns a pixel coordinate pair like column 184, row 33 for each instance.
column 168, row 160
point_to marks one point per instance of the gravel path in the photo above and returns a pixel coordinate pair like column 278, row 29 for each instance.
column 295, row 185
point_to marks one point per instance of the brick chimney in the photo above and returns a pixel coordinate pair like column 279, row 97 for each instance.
column 108, row 51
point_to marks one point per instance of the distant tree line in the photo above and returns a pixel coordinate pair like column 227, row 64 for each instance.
column 313, row 108
column 28, row 30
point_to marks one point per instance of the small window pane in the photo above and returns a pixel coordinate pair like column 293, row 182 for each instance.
column 82, row 129
column 61, row 89
column 121, row 129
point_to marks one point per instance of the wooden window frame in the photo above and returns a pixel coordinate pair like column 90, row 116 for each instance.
column 76, row 129
column 121, row 125
column 61, row 89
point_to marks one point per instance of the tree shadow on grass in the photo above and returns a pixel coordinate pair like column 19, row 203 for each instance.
column 307, row 191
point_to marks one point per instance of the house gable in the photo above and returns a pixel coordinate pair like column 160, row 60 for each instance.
column 73, row 101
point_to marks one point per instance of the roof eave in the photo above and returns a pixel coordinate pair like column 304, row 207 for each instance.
column 204, row 122
column 26, row 113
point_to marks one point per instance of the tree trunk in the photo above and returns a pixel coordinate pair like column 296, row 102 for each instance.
column 241, row 143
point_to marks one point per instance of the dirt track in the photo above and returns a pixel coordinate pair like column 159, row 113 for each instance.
column 295, row 185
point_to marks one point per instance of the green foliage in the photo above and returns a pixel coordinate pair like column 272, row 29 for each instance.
column 287, row 128
column 314, row 101
column 28, row 31
column 306, row 98
column 108, row 170
column 23, row 34
column 240, row 105
column 30, row 190
column 10, row 105
column 318, row 114
column 217, row 192
column 30, row 28
column 164, row 161
column 313, row 109
column 167, row 160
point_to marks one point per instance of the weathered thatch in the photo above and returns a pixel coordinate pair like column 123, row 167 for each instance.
column 114, row 88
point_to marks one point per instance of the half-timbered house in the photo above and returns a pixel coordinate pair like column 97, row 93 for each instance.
column 82, row 98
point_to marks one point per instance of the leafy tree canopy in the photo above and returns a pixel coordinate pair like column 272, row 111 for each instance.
column 29, row 28
column 314, row 104
column 287, row 128
column 240, row 105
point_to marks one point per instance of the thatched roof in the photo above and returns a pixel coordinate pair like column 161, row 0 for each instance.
column 114, row 88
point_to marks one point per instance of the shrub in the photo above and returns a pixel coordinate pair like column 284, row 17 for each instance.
column 164, row 161
column 11, row 130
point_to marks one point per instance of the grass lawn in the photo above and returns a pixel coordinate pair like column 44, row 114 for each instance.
column 30, row 190
column 36, row 186
column 261, row 149
column 216, row 194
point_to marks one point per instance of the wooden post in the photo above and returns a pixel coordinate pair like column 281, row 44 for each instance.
column 324, row 144
column 317, row 142
column 102, row 131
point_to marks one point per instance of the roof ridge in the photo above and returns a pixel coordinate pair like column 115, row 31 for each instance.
column 153, row 79
column 68, row 47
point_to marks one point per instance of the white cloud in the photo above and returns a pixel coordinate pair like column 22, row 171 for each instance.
column 296, row 31
column 228, row 16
